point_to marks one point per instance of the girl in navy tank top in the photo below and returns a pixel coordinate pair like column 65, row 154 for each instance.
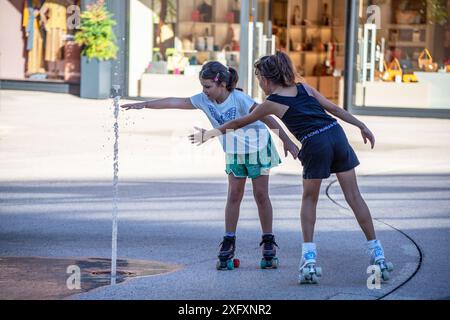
column 325, row 150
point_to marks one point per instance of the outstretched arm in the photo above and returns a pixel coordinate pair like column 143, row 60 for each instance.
column 257, row 114
column 167, row 103
column 342, row 114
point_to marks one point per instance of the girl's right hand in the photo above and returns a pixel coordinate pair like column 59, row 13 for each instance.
column 368, row 135
column 292, row 148
column 135, row 106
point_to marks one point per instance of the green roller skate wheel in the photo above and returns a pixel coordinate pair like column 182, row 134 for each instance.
column 275, row 263
column 263, row 264
column 269, row 264
column 230, row 265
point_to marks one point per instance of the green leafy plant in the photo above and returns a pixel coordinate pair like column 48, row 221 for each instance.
column 96, row 36
column 437, row 11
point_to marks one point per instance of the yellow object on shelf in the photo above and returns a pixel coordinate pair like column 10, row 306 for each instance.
column 426, row 62
column 392, row 71
column 410, row 78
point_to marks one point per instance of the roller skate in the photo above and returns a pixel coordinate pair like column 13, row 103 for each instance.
column 269, row 260
column 376, row 252
column 309, row 273
column 226, row 254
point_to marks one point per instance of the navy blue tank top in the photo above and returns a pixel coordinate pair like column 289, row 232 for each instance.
column 305, row 114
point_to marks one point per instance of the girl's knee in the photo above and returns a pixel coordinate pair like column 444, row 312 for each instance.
column 310, row 197
column 261, row 197
column 235, row 196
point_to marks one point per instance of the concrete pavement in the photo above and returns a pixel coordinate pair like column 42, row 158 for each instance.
column 55, row 191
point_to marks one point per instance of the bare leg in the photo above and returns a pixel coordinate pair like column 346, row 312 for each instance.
column 236, row 187
column 311, row 189
column 261, row 195
column 349, row 186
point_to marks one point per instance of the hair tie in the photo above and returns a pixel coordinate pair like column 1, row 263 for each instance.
column 217, row 77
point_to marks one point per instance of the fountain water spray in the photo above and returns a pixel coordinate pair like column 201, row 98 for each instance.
column 116, row 95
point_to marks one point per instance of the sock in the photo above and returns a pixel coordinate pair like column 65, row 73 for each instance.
column 267, row 234
column 230, row 234
column 309, row 253
column 375, row 248
column 309, row 246
column 373, row 243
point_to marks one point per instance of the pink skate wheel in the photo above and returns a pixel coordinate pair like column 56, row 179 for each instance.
column 236, row 263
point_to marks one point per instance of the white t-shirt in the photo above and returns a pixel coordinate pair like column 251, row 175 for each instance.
column 248, row 139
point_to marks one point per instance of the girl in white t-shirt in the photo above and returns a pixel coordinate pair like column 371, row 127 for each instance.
column 250, row 153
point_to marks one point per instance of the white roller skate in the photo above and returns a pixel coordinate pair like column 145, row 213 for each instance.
column 308, row 271
column 376, row 252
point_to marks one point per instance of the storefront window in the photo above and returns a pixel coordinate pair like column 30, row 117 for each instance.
column 45, row 42
column 171, row 39
column 313, row 33
column 403, row 54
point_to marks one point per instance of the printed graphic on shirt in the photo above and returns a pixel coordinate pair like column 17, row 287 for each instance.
column 221, row 118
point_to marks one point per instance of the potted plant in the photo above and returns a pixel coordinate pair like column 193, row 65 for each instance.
column 437, row 12
column 98, row 43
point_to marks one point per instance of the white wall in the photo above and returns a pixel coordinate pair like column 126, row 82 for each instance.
column 12, row 60
column 168, row 85
column 141, row 42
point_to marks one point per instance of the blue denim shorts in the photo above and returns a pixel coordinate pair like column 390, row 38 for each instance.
column 327, row 152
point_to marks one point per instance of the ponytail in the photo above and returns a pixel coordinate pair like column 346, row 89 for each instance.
column 218, row 73
column 233, row 79
column 277, row 68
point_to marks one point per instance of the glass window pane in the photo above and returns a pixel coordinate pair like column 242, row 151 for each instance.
column 402, row 53
column 171, row 39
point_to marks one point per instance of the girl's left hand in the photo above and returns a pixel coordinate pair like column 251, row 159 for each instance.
column 368, row 135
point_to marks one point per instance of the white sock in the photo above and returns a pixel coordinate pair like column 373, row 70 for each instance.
column 309, row 253
column 372, row 243
column 308, row 246
column 375, row 244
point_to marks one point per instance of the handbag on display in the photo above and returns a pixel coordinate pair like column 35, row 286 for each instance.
column 392, row 71
column 205, row 10
column 158, row 65
column 195, row 15
column 426, row 62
